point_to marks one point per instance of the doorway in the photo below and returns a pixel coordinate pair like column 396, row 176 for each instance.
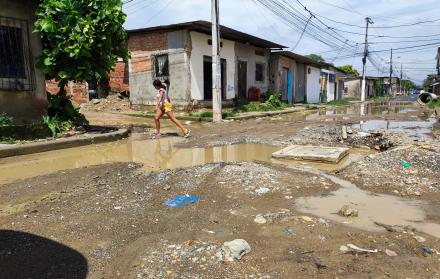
column 242, row 81
column 207, row 78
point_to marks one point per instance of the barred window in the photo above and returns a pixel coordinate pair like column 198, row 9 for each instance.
column 161, row 66
column 16, row 71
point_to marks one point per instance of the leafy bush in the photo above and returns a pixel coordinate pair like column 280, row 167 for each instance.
column 6, row 120
column 435, row 103
column 56, row 125
column 273, row 102
column 60, row 107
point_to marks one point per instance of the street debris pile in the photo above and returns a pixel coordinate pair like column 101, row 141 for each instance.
column 195, row 258
column 113, row 103
column 251, row 178
column 406, row 170
column 326, row 134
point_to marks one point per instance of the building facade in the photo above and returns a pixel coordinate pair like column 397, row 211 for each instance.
column 22, row 85
column 182, row 53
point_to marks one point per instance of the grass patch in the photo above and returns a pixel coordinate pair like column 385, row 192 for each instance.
column 310, row 107
column 8, row 140
column 434, row 104
column 342, row 102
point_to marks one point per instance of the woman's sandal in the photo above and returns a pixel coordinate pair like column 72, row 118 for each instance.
column 187, row 134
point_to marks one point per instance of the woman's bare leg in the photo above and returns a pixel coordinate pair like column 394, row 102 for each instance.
column 157, row 116
column 177, row 122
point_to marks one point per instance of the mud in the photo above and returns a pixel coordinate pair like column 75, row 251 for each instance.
column 113, row 214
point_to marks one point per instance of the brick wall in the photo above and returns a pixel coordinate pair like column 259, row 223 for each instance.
column 119, row 77
column 77, row 90
column 141, row 42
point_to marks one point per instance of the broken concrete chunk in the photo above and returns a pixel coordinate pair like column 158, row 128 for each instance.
column 348, row 211
column 234, row 250
column 259, row 219
column 419, row 238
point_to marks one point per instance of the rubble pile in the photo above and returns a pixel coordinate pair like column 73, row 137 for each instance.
column 407, row 170
column 114, row 102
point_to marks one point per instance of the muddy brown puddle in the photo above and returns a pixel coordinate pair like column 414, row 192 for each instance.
column 162, row 154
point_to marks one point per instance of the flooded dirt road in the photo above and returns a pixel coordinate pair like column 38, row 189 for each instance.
column 106, row 202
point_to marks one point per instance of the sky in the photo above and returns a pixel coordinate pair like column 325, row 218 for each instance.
column 346, row 18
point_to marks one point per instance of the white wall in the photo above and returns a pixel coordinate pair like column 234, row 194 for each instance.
column 247, row 53
column 330, row 86
column 313, row 88
column 200, row 48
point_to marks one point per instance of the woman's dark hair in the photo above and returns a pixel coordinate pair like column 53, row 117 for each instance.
column 164, row 85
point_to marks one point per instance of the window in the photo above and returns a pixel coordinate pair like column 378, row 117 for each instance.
column 161, row 66
column 16, row 70
column 259, row 72
column 11, row 52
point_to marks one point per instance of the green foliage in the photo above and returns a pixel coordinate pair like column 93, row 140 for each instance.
column 82, row 39
column 56, row 125
column 349, row 70
column 311, row 107
column 6, row 120
column 408, row 85
column 434, row 104
column 273, row 102
column 316, row 57
column 428, row 82
column 209, row 114
column 60, row 107
column 8, row 140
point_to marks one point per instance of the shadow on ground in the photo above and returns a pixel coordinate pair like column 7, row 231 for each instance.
column 24, row 255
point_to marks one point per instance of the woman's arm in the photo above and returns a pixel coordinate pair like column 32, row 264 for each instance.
column 161, row 93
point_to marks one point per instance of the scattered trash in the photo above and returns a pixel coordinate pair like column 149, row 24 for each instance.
column 324, row 222
column 348, row 211
column 427, row 250
column 321, row 237
column 405, row 164
column 259, row 219
column 390, row 253
column 419, row 239
column 188, row 123
column 307, row 219
column 117, row 207
column 351, row 247
column 96, row 101
column 234, row 250
column 208, row 231
column 262, row 190
column 167, row 187
column 289, row 231
column 180, row 201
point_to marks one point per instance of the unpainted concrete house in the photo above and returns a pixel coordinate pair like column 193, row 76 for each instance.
column 22, row 86
column 182, row 54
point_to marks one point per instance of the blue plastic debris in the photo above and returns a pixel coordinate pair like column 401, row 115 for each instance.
column 180, row 201
column 289, row 231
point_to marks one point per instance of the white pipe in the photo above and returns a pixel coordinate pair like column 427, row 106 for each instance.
column 426, row 98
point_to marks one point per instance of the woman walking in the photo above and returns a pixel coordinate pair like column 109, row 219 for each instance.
column 164, row 106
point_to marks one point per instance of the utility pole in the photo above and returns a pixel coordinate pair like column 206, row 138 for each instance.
column 364, row 59
column 391, row 74
column 401, row 77
column 216, row 66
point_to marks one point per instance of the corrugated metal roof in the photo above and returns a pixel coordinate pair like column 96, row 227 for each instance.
column 205, row 27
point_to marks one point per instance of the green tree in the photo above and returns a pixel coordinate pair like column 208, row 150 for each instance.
column 349, row 70
column 316, row 57
column 428, row 82
column 82, row 41
column 408, row 85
